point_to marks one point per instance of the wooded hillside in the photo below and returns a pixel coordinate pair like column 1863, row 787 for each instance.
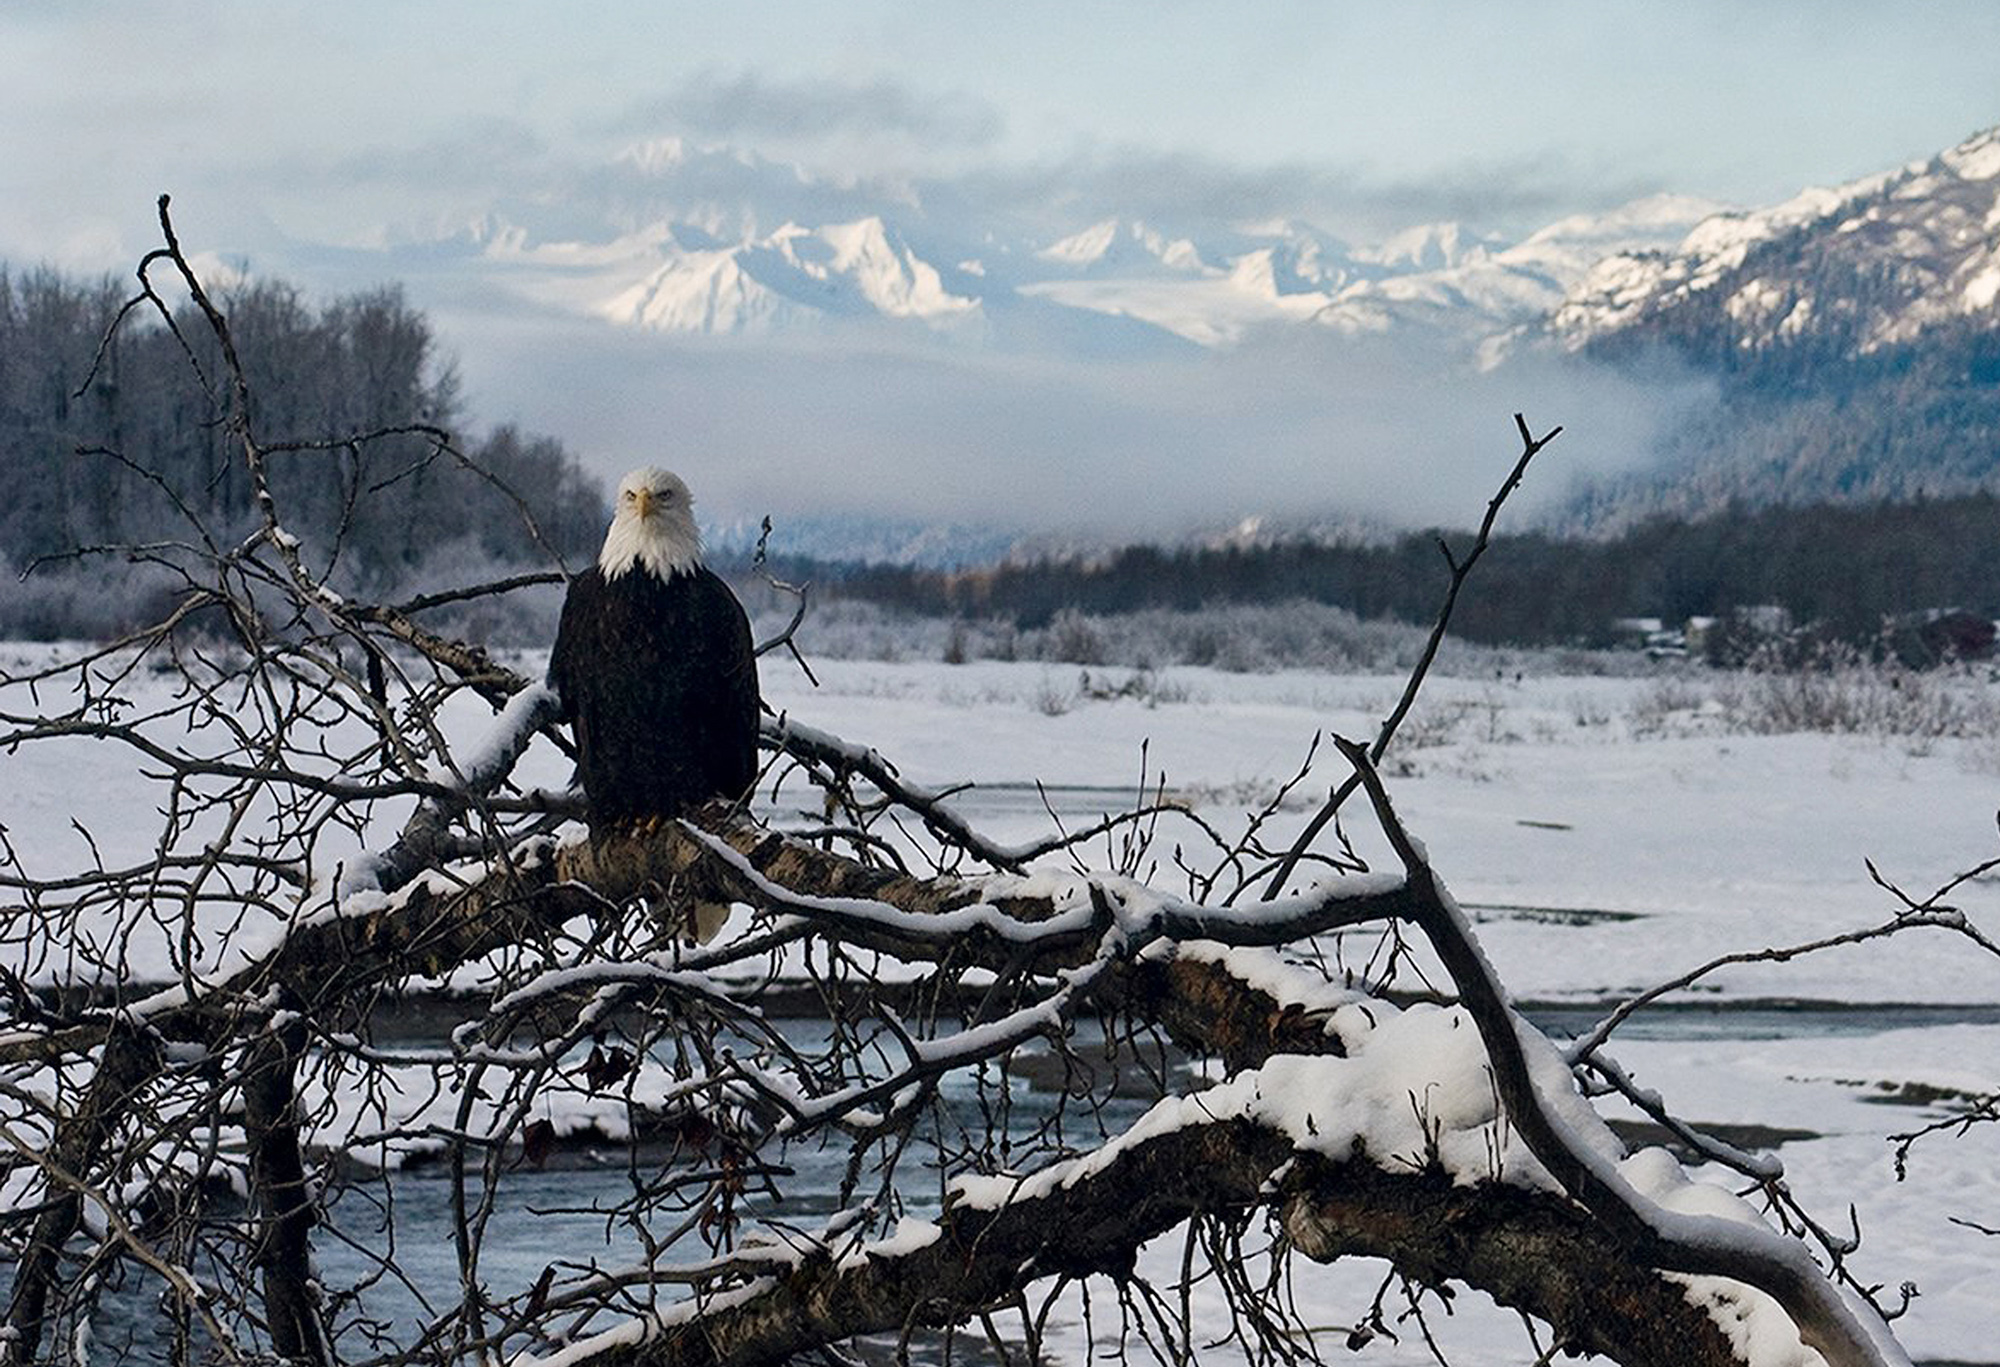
column 95, row 433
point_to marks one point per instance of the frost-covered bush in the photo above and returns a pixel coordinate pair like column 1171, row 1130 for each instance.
column 844, row 629
column 102, row 598
column 1052, row 698
column 1857, row 696
column 1842, row 693
column 89, row 600
column 522, row 617
column 1239, row 638
column 1074, row 639
column 1673, row 702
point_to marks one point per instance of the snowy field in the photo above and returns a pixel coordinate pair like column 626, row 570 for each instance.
column 1643, row 807
column 1607, row 833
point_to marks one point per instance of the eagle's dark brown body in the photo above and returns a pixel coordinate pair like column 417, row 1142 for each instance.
column 658, row 679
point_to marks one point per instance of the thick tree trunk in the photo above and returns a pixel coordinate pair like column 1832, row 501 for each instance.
column 1530, row 1250
column 1537, row 1253
column 284, row 1203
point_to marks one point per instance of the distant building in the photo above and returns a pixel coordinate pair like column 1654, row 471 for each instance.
column 1650, row 634
column 1739, row 635
column 1767, row 634
column 1634, row 631
column 1924, row 640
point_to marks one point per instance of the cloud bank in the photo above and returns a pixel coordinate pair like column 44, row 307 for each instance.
column 749, row 106
column 1289, row 428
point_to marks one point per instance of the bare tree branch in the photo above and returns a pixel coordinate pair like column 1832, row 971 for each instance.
column 1461, row 570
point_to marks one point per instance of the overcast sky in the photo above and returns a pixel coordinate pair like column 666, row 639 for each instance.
column 295, row 135
column 1522, row 110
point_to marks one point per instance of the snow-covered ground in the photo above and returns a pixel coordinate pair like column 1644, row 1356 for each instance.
column 1644, row 797
column 1627, row 796
column 1608, row 833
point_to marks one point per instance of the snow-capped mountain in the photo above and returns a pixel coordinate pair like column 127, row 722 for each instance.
column 1849, row 333
column 712, row 242
column 1113, row 247
column 1485, row 289
column 1439, row 276
column 708, row 242
column 1855, row 268
column 976, row 298
column 1209, row 293
column 789, row 277
column 1427, row 247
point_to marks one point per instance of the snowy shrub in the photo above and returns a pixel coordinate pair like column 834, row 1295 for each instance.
column 1052, row 699
column 1144, row 684
column 1856, row 696
column 1238, row 638
column 842, row 629
column 1074, row 639
column 1673, row 703
column 1434, row 722
column 955, row 645
column 1590, row 713
column 1203, row 644
column 522, row 617
column 1842, row 693
column 92, row 600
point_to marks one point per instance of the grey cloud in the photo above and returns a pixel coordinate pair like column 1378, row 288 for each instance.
column 477, row 154
column 1353, row 200
column 750, row 106
column 1305, row 425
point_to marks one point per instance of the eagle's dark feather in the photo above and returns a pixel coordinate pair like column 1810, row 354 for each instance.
column 658, row 679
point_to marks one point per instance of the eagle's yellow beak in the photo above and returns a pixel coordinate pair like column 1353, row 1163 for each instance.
column 644, row 498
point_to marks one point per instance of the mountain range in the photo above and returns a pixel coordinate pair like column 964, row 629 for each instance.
column 709, row 242
column 712, row 242
column 1802, row 313
column 1853, row 335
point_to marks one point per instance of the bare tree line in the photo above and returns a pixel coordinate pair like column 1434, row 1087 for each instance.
column 109, row 447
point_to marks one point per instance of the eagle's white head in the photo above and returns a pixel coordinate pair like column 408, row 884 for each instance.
column 653, row 526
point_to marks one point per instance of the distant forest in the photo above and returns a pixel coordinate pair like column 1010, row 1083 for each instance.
column 1845, row 568
column 103, row 463
column 1824, row 416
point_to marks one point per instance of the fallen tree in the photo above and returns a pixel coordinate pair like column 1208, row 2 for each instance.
column 205, row 1091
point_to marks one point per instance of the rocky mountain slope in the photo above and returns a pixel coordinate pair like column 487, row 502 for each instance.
column 1847, row 271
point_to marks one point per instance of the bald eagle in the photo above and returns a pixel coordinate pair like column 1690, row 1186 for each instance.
column 654, row 666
